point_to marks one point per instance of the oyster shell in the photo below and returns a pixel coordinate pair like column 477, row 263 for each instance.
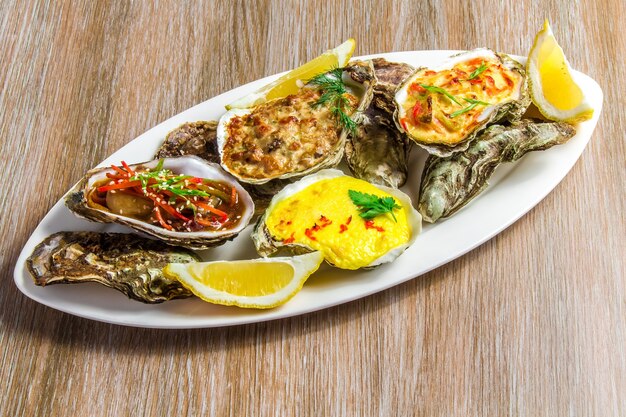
column 192, row 138
column 450, row 183
column 290, row 137
column 125, row 262
column 444, row 108
column 317, row 213
column 377, row 151
column 78, row 201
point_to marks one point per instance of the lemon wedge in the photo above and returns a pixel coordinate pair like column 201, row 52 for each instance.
column 552, row 87
column 257, row 283
column 291, row 82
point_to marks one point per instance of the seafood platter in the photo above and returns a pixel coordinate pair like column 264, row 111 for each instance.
column 308, row 189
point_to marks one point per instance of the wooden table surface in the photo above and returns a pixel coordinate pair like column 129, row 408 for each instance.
column 533, row 322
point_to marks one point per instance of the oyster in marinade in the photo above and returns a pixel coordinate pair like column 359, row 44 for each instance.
column 377, row 151
column 450, row 183
column 182, row 201
column 355, row 224
column 126, row 262
column 291, row 137
column 444, row 108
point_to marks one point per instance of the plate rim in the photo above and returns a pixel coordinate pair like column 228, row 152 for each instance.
column 22, row 276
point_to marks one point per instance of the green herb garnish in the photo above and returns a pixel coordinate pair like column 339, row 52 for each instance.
column 435, row 89
column 371, row 205
column 473, row 103
column 478, row 71
column 333, row 90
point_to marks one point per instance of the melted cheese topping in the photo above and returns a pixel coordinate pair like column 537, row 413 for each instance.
column 322, row 216
column 290, row 134
column 432, row 117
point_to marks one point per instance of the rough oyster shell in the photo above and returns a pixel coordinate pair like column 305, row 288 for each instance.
column 451, row 182
column 192, row 138
column 509, row 108
column 266, row 244
column 377, row 151
column 358, row 75
column 76, row 201
column 125, row 262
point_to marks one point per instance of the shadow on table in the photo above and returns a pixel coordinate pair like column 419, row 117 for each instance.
column 29, row 320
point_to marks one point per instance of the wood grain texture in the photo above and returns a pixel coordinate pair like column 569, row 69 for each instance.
column 531, row 323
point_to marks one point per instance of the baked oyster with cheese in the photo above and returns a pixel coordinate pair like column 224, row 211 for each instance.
column 126, row 262
column 182, row 201
column 353, row 223
column 443, row 108
column 290, row 137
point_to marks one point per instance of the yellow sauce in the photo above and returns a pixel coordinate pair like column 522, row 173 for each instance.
column 432, row 117
column 323, row 217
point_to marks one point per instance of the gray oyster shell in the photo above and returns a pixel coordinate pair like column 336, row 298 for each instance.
column 451, row 182
column 76, row 201
column 192, row 138
column 125, row 262
column 377, row 151
column 509, row 110
column 358, row 76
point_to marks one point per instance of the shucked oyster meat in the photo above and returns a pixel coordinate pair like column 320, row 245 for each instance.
column 451, row 182
column 291, row 137
column 377, row 151
column 445, row 107
column 182, row 201
column 126, row 262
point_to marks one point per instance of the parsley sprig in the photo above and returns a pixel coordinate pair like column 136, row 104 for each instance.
column 333, row 94
column 371, row 205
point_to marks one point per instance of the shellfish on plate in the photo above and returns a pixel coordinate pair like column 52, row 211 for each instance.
column 444, row 107
column 290, row 137
column 183, row 201
column 322, row 212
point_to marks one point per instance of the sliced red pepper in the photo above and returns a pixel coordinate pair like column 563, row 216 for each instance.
column 120, row 171
column 159, row 217
column 233, row 197
column 130, row 171
column 417, row 110
column 213, row 210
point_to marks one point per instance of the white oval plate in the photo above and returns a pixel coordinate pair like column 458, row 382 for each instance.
column 514, row 190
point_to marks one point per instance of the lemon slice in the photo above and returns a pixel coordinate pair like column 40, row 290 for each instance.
column 552, row 87
column 257, row 283
column 291, row 82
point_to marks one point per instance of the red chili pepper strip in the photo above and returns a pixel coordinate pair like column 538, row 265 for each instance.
column 342, row 228
column 204, row 222
column 159, row 217
column 120, row 171
column 233, row 197
column 168, row 208
column 213, row 210
column 119, row 186
column 369, row 224
column 417, row 110
column 195, row 180
column 116, row 177
column 130, row 171
column 290, row 239
column 309, row 234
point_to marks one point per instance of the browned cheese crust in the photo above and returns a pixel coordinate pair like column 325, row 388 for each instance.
column 286, row 135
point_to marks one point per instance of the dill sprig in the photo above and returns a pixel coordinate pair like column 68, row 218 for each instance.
column 333, row 94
